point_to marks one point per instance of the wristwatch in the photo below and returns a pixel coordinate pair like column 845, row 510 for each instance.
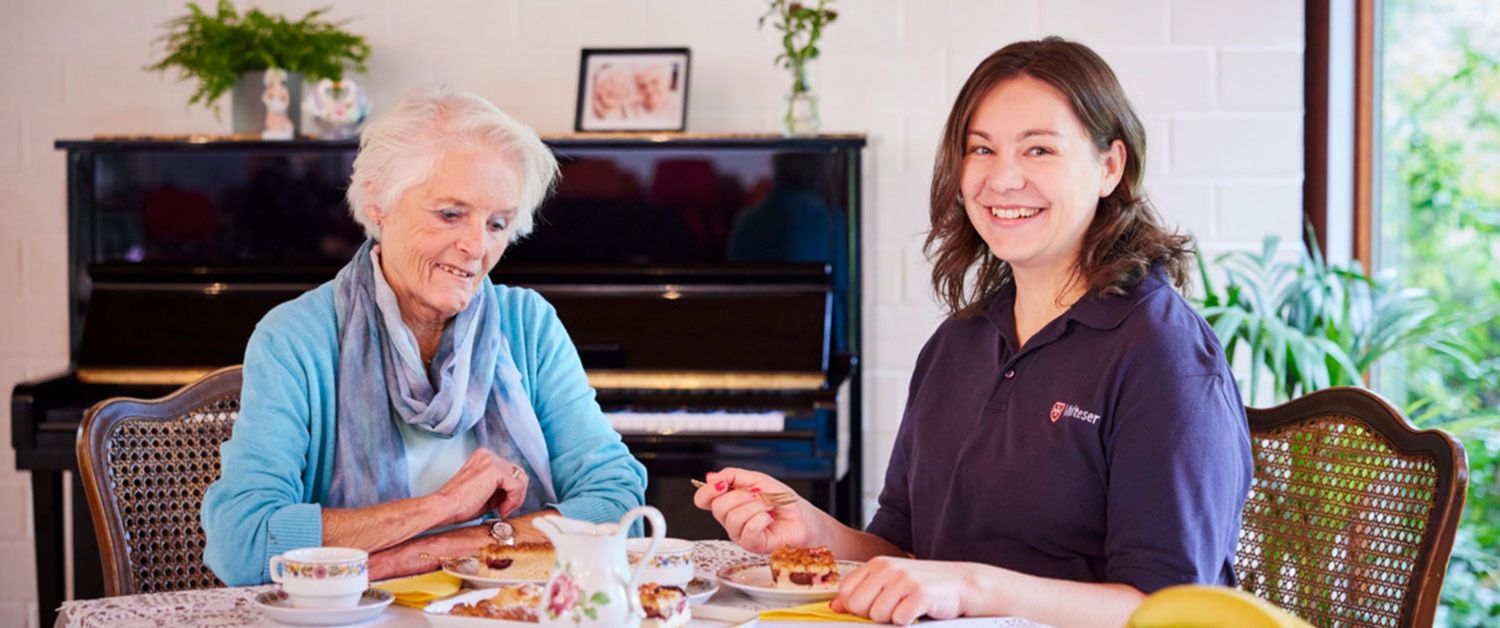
column 502, row 532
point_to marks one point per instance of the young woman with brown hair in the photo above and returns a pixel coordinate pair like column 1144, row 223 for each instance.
column 1073, row 437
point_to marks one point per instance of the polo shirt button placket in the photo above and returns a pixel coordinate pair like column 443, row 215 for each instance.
column 1005, row 378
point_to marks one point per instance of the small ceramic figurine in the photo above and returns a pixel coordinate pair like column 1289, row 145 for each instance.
column 276, row 98
column 337, row 108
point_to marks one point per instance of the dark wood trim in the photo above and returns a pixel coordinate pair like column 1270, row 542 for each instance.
column 1315, row 125
column 1366, row 135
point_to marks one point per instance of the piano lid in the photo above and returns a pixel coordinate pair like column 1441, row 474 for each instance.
column 673, row 268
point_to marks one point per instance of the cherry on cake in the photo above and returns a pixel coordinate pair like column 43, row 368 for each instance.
column 803, row 568
column 522, row 561
column 666, row 607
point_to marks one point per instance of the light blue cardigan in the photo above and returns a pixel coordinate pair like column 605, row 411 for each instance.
column 278, row 465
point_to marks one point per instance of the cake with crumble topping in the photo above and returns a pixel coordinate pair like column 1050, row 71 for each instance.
column 803, row 568
column 521, row 602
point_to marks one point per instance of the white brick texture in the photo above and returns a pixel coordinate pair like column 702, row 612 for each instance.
column 1234, row 145
column 1106, row 22
column 1216, row 83
column 1257, row 79
column 1221, row 23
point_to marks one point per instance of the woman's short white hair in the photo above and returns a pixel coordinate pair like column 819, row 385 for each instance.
column 400, row 148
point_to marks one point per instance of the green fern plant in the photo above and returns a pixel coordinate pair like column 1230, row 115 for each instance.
column 216, row 49
column 1306, row 324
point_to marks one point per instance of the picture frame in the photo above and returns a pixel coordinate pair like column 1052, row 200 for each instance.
column 632, row 89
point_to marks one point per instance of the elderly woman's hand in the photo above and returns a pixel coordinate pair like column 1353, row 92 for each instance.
column 485, row 483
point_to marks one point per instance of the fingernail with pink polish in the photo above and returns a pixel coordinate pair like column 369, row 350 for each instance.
column 720, row 486
column 755, row 489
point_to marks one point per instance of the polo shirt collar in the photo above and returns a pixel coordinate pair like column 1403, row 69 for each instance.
column 1094, row 310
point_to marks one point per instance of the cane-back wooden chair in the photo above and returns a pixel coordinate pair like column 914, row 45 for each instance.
column 145, row 465
column 1352, row 510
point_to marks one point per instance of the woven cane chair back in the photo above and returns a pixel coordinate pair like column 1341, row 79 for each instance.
column 1352, row 511
column 145, row 465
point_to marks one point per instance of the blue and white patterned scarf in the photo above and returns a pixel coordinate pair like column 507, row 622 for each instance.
column 381, row 380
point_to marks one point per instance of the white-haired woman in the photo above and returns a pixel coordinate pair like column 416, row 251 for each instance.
column 399, row 406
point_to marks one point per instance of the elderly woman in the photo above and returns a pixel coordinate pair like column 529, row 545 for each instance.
column 397, row 406
column 1073, row 437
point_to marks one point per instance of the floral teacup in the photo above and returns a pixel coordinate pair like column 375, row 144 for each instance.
column 322, row 577
column 672, row 565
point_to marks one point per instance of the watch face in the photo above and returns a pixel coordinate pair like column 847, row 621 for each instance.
column 502, row 532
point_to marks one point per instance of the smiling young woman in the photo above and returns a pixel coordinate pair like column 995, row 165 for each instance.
column 1103, row 450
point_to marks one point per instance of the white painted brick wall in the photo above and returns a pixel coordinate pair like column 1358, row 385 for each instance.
column 1217, row 85
column 1233, row 145
column 1244, row 75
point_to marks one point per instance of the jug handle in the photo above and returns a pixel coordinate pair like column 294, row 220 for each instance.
column 658, row 532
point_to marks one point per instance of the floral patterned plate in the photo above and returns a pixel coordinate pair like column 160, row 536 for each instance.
column 753, row 578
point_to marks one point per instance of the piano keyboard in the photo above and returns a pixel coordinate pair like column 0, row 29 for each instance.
column 695, row 422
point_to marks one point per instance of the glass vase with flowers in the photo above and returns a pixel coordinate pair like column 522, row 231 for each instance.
column 801, row 25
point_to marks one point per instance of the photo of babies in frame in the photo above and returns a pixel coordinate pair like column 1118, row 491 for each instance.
column 632, row 89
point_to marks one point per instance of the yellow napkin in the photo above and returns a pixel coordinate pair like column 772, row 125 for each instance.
column 419, row 590
column 817, row 611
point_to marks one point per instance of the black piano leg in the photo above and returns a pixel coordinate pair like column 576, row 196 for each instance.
column 88, row 571
column 47, row 521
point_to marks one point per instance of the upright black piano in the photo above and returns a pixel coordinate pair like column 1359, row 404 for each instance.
column 711, row 284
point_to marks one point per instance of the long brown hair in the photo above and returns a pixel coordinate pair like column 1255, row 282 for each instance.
column 1126, row 238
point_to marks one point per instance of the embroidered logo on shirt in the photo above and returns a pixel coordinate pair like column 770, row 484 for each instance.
column 1060, row 410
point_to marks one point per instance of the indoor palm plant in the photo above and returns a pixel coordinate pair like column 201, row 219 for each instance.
column 219, row 49
column 1305, row 324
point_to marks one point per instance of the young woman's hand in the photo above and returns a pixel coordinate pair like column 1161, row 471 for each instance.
column 733, row 496
column 899, row 590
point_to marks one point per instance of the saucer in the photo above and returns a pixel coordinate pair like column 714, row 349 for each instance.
column 277, row 605
column 484, row 581
column 699, row 590
column 753, row 578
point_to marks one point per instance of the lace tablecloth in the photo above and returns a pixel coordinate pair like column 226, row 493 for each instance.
column 215, row 608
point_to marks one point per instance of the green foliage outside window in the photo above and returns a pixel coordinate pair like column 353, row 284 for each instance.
column 1440, row 230
column 1429, row 322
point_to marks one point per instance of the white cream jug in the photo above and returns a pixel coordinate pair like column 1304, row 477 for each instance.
column 592, row 583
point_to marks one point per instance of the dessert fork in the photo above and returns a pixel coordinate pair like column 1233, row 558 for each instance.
column 774, row 498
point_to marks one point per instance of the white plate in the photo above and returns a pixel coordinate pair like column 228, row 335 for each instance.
column 437, row 613
column 754, row 579
column 277, row 605
column 486, row 581
column 699, row 590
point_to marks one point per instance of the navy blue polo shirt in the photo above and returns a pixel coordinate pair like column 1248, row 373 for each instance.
column 1113, row 447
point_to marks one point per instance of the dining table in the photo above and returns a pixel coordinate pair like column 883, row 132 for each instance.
column 235, row 606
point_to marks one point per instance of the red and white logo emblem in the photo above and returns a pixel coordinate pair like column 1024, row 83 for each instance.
column 1057, row 411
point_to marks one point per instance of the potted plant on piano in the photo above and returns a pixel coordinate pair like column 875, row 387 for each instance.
column 263, row 58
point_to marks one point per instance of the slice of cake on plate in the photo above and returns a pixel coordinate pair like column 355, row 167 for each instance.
column 666, row 607
column 803, row 568
column 522, row 561
column 517, row 602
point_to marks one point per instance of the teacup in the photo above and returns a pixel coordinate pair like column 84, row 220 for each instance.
column 322, row 577
column 671, row 566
